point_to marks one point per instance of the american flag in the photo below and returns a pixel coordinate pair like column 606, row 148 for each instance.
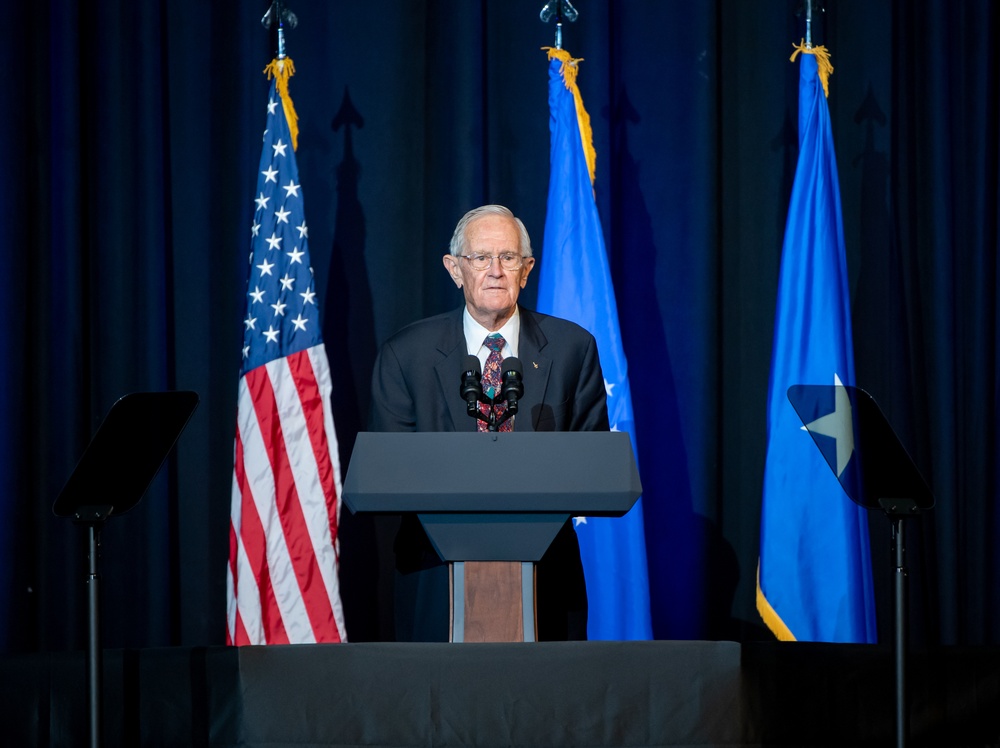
column 283, row 553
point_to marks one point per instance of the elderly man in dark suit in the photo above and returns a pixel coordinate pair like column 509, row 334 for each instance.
column 415, row 388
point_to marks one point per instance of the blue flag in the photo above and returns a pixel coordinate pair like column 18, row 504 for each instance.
column 575, row 284
column 814, row 579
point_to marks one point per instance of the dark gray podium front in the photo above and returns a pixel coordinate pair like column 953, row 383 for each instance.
column 491, row 503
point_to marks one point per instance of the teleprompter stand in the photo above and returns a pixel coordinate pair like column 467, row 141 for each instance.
column 878, row 475
column 116, row 469
column 491, row 503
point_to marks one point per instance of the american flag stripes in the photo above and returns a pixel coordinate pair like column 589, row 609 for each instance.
column 282, row 578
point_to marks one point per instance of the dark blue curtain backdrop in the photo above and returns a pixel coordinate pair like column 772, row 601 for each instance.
column 130, row 140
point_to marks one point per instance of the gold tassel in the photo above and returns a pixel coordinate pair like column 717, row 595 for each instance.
column 823, row 65
column 281, row 71
column 569, row 71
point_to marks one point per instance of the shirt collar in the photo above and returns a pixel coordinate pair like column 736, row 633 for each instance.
column 475, row 334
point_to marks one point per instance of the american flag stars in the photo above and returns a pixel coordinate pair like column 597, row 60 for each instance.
column 282, row 316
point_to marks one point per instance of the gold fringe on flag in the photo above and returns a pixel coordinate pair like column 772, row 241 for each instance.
column 569, row 71
column 770, row 616
column 822, row 54
column 282, row 70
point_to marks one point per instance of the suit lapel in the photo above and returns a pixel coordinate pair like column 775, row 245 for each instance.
column 451, row 346
column 537, row 368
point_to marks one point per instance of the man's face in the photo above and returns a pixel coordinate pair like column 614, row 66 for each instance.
column 490, row 294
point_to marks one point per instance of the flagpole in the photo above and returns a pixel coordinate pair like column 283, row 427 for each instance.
column 810, row 7
column 809, row 23
column 277, row 16
column 561, row 10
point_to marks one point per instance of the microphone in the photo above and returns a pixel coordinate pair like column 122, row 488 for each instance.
column 511, row 382
column 472, row 388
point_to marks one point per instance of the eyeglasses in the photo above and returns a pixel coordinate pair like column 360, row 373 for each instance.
column 508, row 260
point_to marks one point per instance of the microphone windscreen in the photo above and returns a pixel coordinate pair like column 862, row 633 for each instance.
column 512, row 365
column 472, row 365
column 512, row 380
column 471, row 388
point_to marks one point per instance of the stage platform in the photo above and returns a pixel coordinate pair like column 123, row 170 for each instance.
column 579, row 694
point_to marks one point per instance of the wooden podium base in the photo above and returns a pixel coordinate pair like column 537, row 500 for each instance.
column 492, row 601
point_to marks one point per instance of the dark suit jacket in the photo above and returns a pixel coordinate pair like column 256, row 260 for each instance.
column 415, row 387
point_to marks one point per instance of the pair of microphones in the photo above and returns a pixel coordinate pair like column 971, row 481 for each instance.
column 511, row 390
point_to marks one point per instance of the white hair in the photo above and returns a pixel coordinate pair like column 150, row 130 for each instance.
column 459, row 245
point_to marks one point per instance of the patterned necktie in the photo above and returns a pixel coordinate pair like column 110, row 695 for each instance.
column 491, row 382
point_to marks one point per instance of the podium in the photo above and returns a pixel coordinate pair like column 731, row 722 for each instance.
column 491, row 503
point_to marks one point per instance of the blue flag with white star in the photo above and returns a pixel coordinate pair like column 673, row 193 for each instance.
column 575, row 284
column 814, row 576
